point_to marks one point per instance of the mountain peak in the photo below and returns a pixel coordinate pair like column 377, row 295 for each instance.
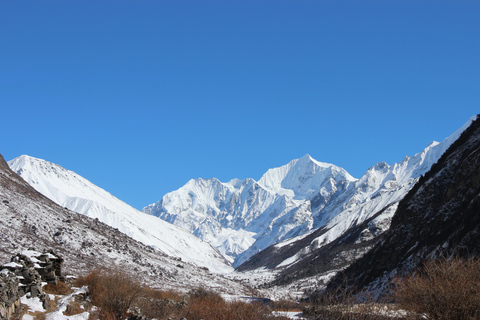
column 307, row 157
column 301, row 177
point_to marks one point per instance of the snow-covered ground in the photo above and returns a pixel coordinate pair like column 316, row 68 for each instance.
column 34, row 305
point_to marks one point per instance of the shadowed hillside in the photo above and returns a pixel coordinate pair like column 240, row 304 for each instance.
column 439, row 216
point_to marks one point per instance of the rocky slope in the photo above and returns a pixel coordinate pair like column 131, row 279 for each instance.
column 30, row 220
column 439, row 216
column 74, row 192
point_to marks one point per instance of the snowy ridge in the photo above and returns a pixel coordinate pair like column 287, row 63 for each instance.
column 243, row 217
column 221, row 213
column 70, row 190
column 302, row 177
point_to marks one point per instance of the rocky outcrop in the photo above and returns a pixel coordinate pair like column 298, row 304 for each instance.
column 9, row 294
column 24, row 275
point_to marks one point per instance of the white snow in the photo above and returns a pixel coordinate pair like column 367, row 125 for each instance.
column 12, row 265
column 32, row 255
column 62, row 306
column 33, row 304
column 289, row 314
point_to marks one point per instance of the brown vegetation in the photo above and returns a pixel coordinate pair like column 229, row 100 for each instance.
column 342, row 305
column 444, row 289
column 112, row 291
column 58, row 289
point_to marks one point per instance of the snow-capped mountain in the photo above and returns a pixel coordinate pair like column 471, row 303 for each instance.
column 70, row 190
column 30, row 220
column 243, row 217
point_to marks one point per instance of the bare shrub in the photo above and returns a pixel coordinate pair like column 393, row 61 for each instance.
column 284, row 305
column 37, row 315
column 161, row 304
column 112, row 291
column 442, row 289
column 203, row 304
column 247, row 311
column 344, row 305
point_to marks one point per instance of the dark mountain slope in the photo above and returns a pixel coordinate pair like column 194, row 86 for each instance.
column 320, row 261
column 337, row 255
column 439, row 216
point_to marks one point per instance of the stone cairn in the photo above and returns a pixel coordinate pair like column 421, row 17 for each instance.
column 24, row 275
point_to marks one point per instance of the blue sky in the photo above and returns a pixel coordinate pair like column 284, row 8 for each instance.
column 141, row 96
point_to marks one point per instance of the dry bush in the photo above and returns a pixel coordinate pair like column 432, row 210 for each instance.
column 162, row 294
column 58, row 289
column 212, row 306
column 205, row 307
column 198, row 304
column 443, row 289
column 344, row 305
column 160, row 304
column 283, row 305
column 37, row 315
column 203, row 304
column 112, row 291
column 247, row 311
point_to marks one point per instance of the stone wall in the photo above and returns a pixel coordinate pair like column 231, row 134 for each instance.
column 24, row 275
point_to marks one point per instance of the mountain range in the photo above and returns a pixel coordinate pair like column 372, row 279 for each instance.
column 243, row 217
column 306, row 218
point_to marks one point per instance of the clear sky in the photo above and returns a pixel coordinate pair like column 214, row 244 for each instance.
column 141, row 96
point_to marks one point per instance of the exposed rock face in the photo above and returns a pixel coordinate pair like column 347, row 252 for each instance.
column 9, row 295
column 439, row 216
column 322, row 261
